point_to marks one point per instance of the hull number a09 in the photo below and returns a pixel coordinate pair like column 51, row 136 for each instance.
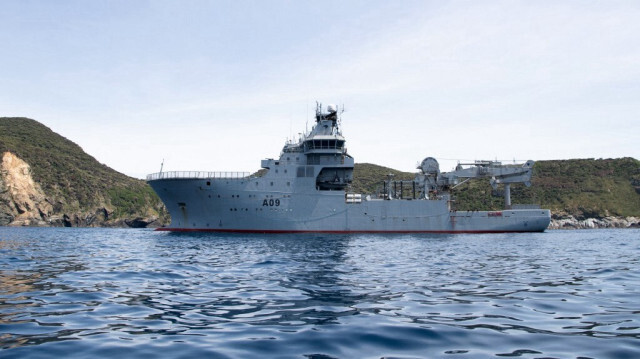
column 271, row 202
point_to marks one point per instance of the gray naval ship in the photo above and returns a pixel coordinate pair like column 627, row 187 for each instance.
column 307, row 189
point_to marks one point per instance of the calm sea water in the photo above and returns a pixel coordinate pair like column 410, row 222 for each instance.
column 81, row 293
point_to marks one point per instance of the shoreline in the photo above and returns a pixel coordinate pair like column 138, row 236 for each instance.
column 570, row 222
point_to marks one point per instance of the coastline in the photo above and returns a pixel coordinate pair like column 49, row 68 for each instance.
column 571, row 222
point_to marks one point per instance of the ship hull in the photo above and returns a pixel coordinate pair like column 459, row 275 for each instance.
column 249, row 205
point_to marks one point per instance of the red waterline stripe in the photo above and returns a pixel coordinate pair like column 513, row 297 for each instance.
column 274, row 231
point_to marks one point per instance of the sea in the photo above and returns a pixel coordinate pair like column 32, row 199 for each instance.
column 137, row 293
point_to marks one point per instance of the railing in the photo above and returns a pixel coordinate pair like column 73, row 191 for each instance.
column 197, row 174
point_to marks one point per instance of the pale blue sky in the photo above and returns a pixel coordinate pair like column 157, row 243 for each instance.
column 219, row 85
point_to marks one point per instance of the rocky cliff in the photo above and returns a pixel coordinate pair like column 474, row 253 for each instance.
column 47, row 180
column 24, row 202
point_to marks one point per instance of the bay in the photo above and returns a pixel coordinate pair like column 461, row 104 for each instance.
column 86, row 292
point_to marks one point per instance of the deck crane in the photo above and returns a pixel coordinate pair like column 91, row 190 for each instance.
column 434, row 182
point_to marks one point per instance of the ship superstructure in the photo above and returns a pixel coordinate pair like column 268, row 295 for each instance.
column 307, row 190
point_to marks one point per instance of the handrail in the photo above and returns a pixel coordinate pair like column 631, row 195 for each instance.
column 197, row 175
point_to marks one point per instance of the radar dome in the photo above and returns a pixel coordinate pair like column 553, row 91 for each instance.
column 430, row 166
column 332, row 108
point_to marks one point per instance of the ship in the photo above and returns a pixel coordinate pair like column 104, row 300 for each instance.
column 308, row 189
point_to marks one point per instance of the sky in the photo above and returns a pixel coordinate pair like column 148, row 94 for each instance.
column 220, row 85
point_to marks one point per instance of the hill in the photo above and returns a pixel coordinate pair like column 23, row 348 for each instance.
column 46, row 179
column 582, row 188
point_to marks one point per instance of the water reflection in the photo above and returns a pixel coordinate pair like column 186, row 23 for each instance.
column 29, row 283
column 284, row 280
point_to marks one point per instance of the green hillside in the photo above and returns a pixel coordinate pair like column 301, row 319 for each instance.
column 584, row 188
column 74, row 182
column 80, row 191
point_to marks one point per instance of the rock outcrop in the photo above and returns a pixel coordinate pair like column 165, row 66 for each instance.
column 25, row 202
column 571, row 222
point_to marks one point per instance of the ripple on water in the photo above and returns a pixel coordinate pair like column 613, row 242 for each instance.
column 99, row 292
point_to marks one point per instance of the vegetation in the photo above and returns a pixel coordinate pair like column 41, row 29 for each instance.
column 586, row 187
column 73, row 180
